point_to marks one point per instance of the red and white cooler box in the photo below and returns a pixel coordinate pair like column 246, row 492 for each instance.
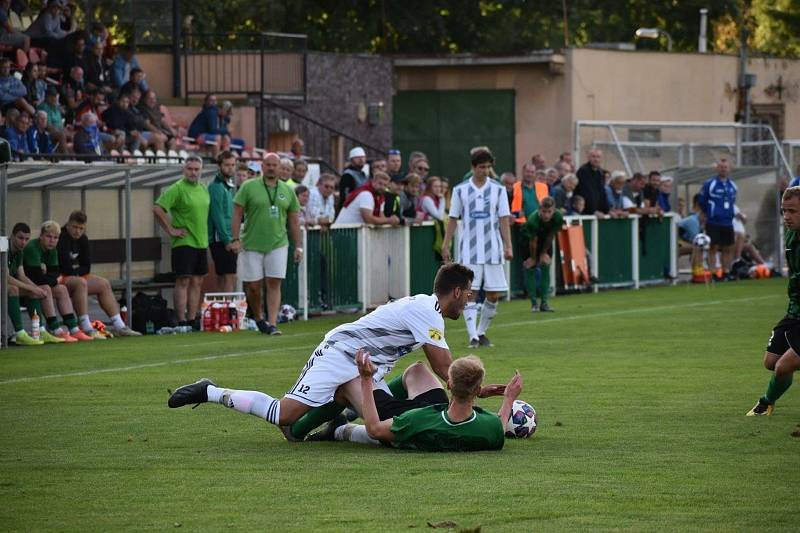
column 223, row 310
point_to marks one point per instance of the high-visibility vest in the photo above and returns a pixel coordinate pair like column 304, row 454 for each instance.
column 516, row 200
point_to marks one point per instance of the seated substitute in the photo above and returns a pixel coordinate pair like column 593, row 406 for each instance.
column 75, row 267
column 457, row 425
column 540, row 230
column 19, row 286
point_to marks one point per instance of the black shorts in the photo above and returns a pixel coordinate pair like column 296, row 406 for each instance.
column 388, row 406
column 720, row 235
column 785, row 335
column 224, row 260
column 188, row 261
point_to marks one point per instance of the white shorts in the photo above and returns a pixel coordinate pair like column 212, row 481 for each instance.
column 493, row 278
column 325, row 371
column 255, row 266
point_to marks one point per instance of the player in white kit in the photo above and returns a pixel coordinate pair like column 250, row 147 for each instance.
column 484, row 241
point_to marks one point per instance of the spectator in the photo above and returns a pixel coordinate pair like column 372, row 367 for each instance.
column 17, row 136
column 508, row 179
column 297, row 150
column 353, row 176
column 391, row 203
column 220, row 214
column 299, row 172
column 285, row 172
column 562, row 169
column 187, row 201
column 267, row 205
column 688, row 228
column 421, row 168
column 563, row 194
column 446, row 194
column 151, row 111
column 75, row 55
column 528, row 192
column 12, row 91
column 394, row 162
column 35, row 86
column 242, row 173
column 39, row 139
column 122, row 66
column 136, row 81
column 302, row 193
column 364, row 205
column 97, row 74
column 565, row 159
column 74, row 87
column 75, row 269
column 321, row 209
column 591, row 186
column 431, row 203
column 205, row 127
column 87, row 136
column 8, row 121
column 408, row 198
column 551, row 178
column 664, row 194
column 378, row 165
column 413, row 157
column 540, row 231
column 121, row 123
column 96, row 104
column 40, row 263
column 538, row 161
column 796, row 180
column 618, row 202
column 152, row 136
column 652, row 188
column 9, row 36
column 55, row 119
column 579, row 204
column 225, row 117
column 254, row 169
column 46, row 32
column 69, row 19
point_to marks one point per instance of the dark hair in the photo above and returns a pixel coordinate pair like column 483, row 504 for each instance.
column 452, row 276
column 77, row 216
column 227, row 154
column 300, row 189
column 696, row 199
column 20, row 227
column 548, row 202
column 637, row 176
column 653, row 173
column 134, row 70
column 482, row 156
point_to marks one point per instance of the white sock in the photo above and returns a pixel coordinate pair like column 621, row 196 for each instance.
column 471, row 318
column 74, row 330
column 487, row 314
column 85, row 323
column 248, row 402
column 354, row 433
column 117, row 321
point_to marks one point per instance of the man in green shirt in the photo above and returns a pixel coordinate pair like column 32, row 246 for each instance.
column 220, row 212
column 187, row 202
column 540, row 229
column 20, row 286
column 268, row 205
column 783, row 348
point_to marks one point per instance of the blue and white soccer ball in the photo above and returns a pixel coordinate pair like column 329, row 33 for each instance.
column 287, row 313
column 701, row 240
column 523, row 421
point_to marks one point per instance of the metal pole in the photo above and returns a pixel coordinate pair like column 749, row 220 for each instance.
column 128, row 247
column 673, row 248
column 635, row 250
column 303, row 296
column 176, row 48
column 620, row 149
column 595, row 252
column 4, row 201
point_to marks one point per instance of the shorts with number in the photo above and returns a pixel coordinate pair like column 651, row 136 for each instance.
column 255, row 266
column 720, row 235
column 326, row 370
column 188, row 261
column 493, row 277
column 224, row 260
column 785, row 335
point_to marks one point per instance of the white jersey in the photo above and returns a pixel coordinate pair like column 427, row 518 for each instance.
column 392, row 330
column 479, row 240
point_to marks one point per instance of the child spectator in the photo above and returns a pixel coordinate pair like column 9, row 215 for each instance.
column 578, row 204
column 408, row 198
column 35, row 86
column 431, row 205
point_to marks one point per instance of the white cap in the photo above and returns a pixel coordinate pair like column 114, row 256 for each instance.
column 357, row 152
column 255, row 166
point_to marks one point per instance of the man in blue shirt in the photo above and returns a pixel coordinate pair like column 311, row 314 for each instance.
column 717, row 200
column 18, row 136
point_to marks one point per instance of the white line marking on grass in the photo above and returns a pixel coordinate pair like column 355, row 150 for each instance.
column 311, row 346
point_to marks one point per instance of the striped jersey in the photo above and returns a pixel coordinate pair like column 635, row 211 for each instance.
column 479, row 240
column 392, row 330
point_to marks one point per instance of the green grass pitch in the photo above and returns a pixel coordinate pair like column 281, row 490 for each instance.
column 641, row 397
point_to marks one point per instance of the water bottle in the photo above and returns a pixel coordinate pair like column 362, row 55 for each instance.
column 165, row 331
column 123, row 313
column 35, row 326
column 149, row 328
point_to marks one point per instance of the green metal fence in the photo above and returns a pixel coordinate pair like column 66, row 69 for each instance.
column 424, row 260
column 615, row 251
column 654, row 249
column 332, row 263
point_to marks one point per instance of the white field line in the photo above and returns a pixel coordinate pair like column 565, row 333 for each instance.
column 531, row 322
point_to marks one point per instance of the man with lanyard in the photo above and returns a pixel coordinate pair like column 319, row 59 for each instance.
column 539, row 230
column 267, row 205
column 717, row 200
column 783, row 348
column 220, row 212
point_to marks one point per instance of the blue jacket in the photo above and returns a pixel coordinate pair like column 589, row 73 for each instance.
column 206, row 122
column 18, row 141
column 11, row 89
column 717, row 198
column 40, row 141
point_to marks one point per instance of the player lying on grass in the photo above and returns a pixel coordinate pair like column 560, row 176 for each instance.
column 444, row 425
column 783, row 347
column 388, row 333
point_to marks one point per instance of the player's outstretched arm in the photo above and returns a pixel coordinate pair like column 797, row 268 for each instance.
column 439, row 358
column 376, row 429
column 513, row 389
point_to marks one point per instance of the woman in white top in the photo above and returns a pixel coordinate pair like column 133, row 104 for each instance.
column 432, row 204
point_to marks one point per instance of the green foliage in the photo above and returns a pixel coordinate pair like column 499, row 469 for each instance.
column 641, row 396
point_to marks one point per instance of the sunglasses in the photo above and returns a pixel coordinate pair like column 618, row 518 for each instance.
column 423, row 169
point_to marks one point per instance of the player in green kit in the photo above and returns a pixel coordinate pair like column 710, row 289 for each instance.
column 540, row 229
column 783, row 347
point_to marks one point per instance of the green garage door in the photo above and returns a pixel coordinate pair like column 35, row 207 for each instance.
column 446, row 124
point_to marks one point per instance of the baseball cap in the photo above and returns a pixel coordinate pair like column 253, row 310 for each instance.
column 398, row 178
column 255, row 166
column 394, row 151
column 357, row 152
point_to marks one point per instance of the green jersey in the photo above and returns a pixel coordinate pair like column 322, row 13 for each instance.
column 14, row 262
column 793, row 260
column 536, row 227
column 220, row 212
column 265, row 210
column 41, row 266
column 429, row 429
column 187, row 204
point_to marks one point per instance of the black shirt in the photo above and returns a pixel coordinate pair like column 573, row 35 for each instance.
column 592, row 188
column 73, row 255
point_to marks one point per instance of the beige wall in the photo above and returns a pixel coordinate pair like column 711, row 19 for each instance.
column 158, row 69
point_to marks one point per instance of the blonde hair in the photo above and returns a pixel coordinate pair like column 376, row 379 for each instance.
column 411, row 179
column 465, row 376
column 50, row 226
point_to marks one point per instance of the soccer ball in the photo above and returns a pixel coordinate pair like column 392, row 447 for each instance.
column 523, row 421
column 701, row 240
column 287, row 313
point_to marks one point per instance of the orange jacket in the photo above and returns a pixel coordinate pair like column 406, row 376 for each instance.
column 516, row 201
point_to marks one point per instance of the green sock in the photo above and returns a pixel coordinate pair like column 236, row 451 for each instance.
column 315, row 418
column 14, row 313
column 777, row 386
column 34, row 305
column 397, row 388
column 530, row 284
column 53, row 323
column 70, row 321
column 544, row 283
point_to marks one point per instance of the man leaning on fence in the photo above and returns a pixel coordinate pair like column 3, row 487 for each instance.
column 187, row 202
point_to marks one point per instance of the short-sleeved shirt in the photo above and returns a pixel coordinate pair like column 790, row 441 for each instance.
column 187, row 204
column 536, row 227
column 480, row 210
column 352, row 213
column 264, row 232
column 34, row 256
column 793, row 261
column 392, row 330
column 430, row 429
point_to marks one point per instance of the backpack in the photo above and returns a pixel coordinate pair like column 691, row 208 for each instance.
column 154, row 309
